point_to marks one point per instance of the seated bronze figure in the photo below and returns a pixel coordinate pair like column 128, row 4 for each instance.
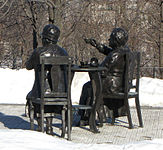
column 113, row 77
column 50, row 37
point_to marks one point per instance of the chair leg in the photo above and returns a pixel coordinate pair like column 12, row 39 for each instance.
column 63, row 122
column 42, row 118
column 31, row 116
column 139, row 111
column 104, row 114
column 112, row 120
column 129, row 115
column 69, row 124
column 112, row 117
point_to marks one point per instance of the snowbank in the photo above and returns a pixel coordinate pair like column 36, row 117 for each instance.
column 16, row 84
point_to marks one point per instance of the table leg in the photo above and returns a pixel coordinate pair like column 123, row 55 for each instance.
column 97, row 99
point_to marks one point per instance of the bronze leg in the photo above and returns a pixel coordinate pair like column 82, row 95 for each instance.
column 39, row 123
column 31, row 111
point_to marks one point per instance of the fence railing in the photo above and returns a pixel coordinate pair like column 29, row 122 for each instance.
column 155, row 72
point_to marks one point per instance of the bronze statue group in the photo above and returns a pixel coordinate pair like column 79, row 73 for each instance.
column 112, row 78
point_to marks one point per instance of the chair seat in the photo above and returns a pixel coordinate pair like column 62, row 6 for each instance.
column 51, row 101
column 56, row 94
column 121, row 95
column 81, row 107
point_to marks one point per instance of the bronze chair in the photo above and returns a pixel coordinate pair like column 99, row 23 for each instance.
column 132, row 69
column 52, row 98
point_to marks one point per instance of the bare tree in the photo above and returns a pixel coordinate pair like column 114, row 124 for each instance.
column 79, row 19
column 23, row 20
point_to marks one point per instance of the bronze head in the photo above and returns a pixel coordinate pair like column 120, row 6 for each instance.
column 50, row 34
column 118, row 38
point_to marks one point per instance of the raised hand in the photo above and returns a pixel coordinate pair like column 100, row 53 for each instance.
column 91, row 41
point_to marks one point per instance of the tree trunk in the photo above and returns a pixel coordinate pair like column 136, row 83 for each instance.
column 161, row 41
column 54, row 11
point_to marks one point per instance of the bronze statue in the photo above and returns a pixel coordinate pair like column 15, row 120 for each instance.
column 50, row 37
column 112, row 78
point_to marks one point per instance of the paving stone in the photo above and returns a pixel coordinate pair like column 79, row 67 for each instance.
column 12, row 117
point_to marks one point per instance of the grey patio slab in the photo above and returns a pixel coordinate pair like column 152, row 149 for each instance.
column 12, row 117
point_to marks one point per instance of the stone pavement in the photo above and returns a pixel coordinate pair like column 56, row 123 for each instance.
column 12, row 117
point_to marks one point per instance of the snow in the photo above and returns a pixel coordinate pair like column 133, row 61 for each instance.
column 15, row 84
column 32, row 140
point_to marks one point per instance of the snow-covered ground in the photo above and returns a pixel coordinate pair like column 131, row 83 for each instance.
column 13, row 90
column 32, row 140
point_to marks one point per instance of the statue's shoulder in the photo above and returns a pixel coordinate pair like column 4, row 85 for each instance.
column 62, row 51
column 38, row 49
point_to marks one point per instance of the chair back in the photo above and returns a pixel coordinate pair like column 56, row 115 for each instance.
column 54, row 69
column 132, row 71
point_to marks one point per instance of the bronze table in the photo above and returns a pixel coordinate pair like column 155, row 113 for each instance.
column 95, row 77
